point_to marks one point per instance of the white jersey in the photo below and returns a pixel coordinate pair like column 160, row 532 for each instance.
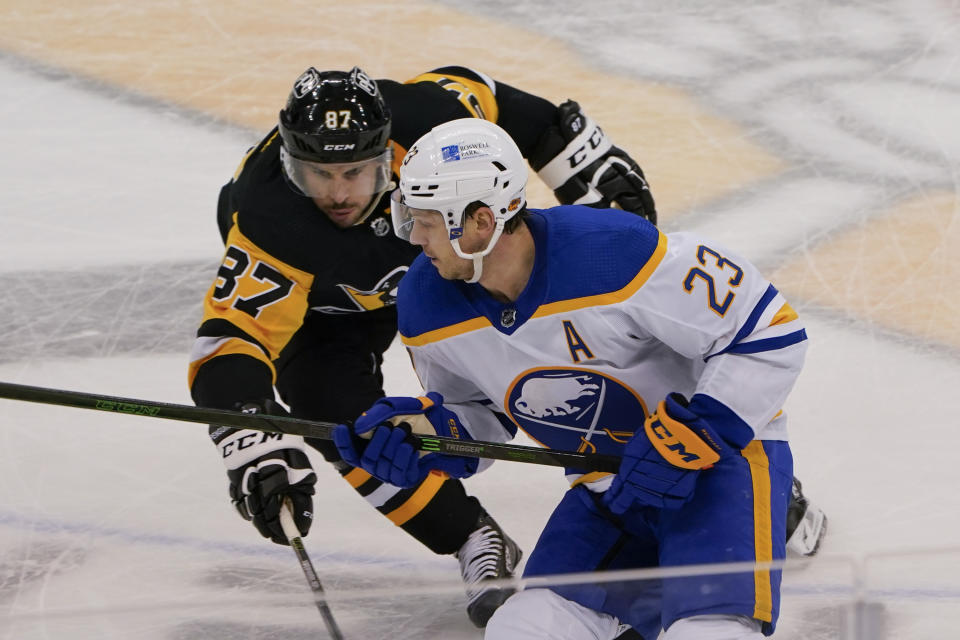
column 616, row 315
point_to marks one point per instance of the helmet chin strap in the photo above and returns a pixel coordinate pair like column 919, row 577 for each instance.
column 478, row 256
column 477, row 269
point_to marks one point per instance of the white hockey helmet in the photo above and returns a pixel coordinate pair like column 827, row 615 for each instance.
column 453, row 165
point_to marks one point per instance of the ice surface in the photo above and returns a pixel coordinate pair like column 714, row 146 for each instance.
column 835, row 119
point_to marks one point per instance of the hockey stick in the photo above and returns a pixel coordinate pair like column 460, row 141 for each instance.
column 306, row 428
column 296, row 543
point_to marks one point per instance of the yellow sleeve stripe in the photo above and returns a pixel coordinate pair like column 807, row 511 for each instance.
column 762, row 525
column 784, row 315
column 484, row 104
column 613, row 297
column 230, row 346
column 561, row 306
column 420, row 498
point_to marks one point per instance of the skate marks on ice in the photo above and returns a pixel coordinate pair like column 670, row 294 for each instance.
column 88, row 587
column 855, row 101
column 32, row 563
column 363, row 598
column 102, row 311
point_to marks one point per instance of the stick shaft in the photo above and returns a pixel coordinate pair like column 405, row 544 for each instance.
column 319, row 597
column 299, row 427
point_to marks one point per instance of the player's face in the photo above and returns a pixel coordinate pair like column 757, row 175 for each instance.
column 430, row 233
column 342, row 191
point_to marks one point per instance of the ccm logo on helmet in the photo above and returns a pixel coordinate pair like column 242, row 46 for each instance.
column 338, row 147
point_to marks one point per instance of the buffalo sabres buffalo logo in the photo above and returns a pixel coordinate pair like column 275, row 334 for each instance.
column 575, row 409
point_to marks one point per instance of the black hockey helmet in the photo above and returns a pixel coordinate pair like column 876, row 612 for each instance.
column 335, row 117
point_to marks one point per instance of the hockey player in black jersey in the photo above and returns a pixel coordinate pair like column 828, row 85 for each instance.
column 304, row 298
column 303, row 301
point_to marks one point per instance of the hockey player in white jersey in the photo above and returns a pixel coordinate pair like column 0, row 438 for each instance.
column 596, row 334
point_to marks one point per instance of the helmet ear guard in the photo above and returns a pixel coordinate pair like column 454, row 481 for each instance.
column 458, row 163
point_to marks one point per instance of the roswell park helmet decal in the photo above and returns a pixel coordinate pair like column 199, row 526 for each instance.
column 581, row 409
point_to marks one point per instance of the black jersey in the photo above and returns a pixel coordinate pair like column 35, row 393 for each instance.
column 285, row 259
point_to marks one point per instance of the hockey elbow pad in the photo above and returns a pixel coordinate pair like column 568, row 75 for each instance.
column 576, row 159
column 660, row 466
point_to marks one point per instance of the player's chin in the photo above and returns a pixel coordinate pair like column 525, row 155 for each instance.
column 452, row 272
column 442, row 269
column 343, row 216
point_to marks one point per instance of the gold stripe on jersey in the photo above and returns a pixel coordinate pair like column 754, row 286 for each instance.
column 611, row 297
column 249, row 153
column 762, row 528
column 784, row 315
column 561, row 306
column 420, row 498
column 446, row 332
column 624, row 436
column 399, row 153
column 357, row 477
column 587, row 478
column 476, row 97
column 586, row 446
column 230, row 346
column 234, row 296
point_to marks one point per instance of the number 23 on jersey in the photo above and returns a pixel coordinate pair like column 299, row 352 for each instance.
column 715, row 276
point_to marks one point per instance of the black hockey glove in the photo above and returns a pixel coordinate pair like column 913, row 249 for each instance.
column 576, row 159
column 263, row 469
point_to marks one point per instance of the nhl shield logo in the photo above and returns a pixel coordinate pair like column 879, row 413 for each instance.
column 575, row 409
column 380, row 227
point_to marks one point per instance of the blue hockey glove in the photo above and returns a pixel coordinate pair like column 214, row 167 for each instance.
column 660, row 465
column 390, row 455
